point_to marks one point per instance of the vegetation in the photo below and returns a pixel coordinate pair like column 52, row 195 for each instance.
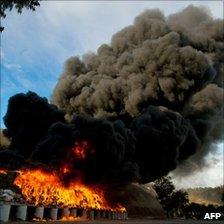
column 176, row 202
column 206, row 195
column 18, row 5
column 173, row 202
column 198, row 211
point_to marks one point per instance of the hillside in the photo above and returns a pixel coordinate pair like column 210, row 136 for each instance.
column 206, row 195
column 139, row 200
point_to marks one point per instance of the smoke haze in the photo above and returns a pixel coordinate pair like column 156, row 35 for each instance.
column 139, row 107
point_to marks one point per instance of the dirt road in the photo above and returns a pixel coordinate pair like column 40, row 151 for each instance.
column 131, row 221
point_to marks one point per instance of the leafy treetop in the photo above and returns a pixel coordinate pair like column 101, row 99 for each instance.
column 18, row 5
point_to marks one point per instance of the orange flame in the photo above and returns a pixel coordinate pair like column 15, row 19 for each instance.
column 65, row 169
column 2, row 171
column 81, row 148
column 71, row 218
column 45, row 188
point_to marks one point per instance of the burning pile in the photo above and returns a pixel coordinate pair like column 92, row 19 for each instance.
column 45, row 188
column 130, row 113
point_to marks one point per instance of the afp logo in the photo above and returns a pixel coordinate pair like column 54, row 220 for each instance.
column 212, row 215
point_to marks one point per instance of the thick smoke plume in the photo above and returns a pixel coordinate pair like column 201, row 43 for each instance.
column 174, row 62
column 135, row 110
column 156, row 61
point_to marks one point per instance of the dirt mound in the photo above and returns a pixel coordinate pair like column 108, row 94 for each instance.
column 140, row 201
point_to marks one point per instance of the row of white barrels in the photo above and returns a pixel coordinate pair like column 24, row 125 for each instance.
column 10, row 212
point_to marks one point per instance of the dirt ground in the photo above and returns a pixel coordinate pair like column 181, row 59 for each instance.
column 131, row 221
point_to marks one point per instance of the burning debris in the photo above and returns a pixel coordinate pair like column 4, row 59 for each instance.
column 8, row 195
column 134, row 111
column 42, row 188
column 3, row 171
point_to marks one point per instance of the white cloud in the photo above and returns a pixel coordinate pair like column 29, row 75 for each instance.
column 1, row 54
column 13, row 77
column 94, row 22
column 209, row 176
column 66, row 28
column 13, row 66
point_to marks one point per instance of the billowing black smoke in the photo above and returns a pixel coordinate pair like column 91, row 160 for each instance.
column 148, row 147
column 108, row 158
column 27, row 120
column 135, row 110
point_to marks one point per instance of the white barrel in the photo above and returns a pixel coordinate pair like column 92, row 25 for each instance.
column 50, row 213
column 84, row 214
column 103, row 214
column 73, row 212
column 4, row 213
column 39, row 213
column 120, row 215
column 65, row 212
column 97, row 214
column 54, row 213
column 91, row 215
column 125, row 215
column 109, row 214
column 115, row 215
column 30, row 213
column 21, row 212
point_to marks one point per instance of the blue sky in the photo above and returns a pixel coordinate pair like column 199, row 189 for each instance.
column 34, row 45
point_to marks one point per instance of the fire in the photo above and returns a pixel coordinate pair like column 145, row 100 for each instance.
column 81, row 148
column 71, row 218
column 65, row 169
column 46, row 188
column 4, row 172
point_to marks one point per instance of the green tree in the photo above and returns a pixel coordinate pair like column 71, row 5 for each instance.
column 173, row 202
column 179, row 201
column 18, row 5
column 164, row 187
